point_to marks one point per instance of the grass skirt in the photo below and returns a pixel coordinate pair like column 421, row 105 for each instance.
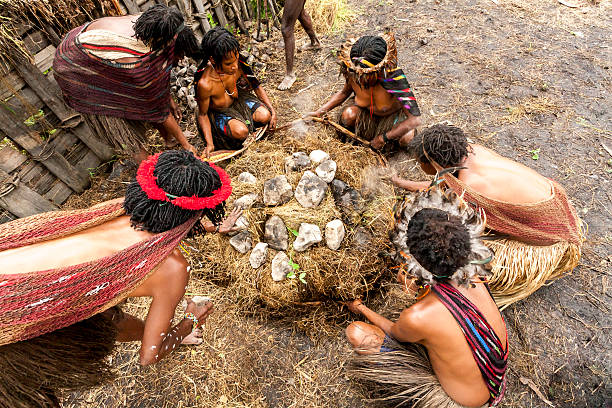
column 520, row 269
column 125, row 136
column 34, row 372
column 401, row 378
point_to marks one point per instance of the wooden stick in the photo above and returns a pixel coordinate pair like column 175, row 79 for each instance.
column 238, row 17
column 224, row 156
column 258, row 20
column 275, row 12
column 267, row 19
column 340, row 128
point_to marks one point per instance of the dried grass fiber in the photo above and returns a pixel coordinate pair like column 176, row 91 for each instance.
column 520, row 269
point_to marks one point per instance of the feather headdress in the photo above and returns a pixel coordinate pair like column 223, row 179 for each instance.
column 447, row 201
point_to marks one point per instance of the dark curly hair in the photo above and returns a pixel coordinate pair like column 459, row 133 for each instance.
column 445, row 144
column 438, row 241
column 178, row 173
column 157, row 26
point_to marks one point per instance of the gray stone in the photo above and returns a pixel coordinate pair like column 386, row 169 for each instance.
column 246, row 201
column 280, row 267
column 334, row 234
column 362, row 237
column 277, row 191
column 317, row 156
column 242, row 242
column 326, row 170
column 182, row 92
column 310, row 191
column 308, row 235
column 258, row 255
column 246, row 177
column 181, row 71
column 297, row 162
column 191, row 102
column 348, row 200
column 275, row 233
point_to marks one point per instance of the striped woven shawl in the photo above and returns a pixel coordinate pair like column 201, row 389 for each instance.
column 486, row 347
column 35, row 303
column 92, row 85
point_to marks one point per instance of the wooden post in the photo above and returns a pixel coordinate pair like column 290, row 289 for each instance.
column 202, row 15
column 47, row 91
column 20, row 199
column 238, row 17
column 53, row 161
column 131, row 6
column 220, row 14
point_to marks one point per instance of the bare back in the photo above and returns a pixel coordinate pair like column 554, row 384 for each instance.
column 91, row 244
column 502, row 179
column 123, row 25
column 451, row 357
column 384, row 103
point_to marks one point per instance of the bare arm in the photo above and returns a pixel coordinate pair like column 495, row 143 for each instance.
column 409, row 184
column 336, row 99
column 403, row 330
column 400, row 129
column 203, row 100
column 263, row 96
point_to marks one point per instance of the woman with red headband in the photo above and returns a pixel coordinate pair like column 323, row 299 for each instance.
column 62, row 273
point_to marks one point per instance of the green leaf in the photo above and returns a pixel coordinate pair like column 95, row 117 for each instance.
column 302, row 275
column 291, row 275
column 294, row 232
column 535, row 154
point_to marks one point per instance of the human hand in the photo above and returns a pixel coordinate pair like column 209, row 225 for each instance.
column 175, row 111
column 273, row 120
column 190, row 148
column 229, row 221
column 353, row 305
column 377, row 143
column 200, row 310
column 317, row 114
column 208, row 150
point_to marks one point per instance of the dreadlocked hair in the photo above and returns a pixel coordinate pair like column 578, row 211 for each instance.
column 34, row 372
column 438, row 241
column 444, row 144
column 216, row 44
column 179, row 173
column 370, row 48
column 157, row 26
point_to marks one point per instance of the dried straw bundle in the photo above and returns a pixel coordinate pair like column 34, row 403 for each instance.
column 344, row 274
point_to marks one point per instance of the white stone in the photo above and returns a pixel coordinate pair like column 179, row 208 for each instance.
column 310, row 191
column 277, row 191
column 308, row 235
column 258, row 255
column 317, row 156
column 327, row 170
column 275, row 233
column 334, row 234
column 246, row 201
column 246, row 177
column 242, row 242
column 280, row 267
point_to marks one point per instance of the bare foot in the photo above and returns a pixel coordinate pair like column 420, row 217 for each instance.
column 287, row 82
column 310, row 47
column 195, row 337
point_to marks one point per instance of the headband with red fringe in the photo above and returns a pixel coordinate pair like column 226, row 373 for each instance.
column 148, row 183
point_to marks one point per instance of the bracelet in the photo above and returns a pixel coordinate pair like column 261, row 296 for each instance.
column 385, row 138
column 194, row 319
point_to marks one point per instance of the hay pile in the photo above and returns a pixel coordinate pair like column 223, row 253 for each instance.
column 329, row 15
column 347, row 273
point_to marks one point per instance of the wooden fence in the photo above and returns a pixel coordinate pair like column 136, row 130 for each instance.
column 47, row 152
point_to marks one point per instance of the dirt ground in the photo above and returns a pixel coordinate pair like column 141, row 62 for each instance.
column 522, row 77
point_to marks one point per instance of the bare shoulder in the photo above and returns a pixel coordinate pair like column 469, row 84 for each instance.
column 205, row 86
